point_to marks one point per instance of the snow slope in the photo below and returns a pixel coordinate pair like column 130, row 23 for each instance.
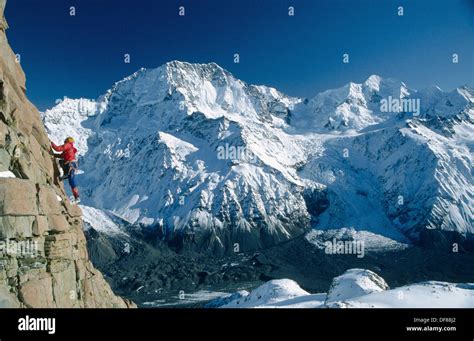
column 69, row 114
column 270, row 293
column 349, row 108
column 431, row 294
column 190, row 149
column 355, row 283
column 372, row 242
column 358, row 288
column 100, row 221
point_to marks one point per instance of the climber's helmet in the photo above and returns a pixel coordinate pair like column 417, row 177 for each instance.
column 68, row 140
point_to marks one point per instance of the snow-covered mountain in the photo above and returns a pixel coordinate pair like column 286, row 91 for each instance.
column 196, row 154
column 349, row 108
column 67, row 117
column 356, row 288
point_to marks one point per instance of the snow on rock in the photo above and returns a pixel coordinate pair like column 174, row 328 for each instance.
column 355, row 283
column 377, row 182
column 67, row 118
column 349, row 108
column 7, row 174
column 270, row 293
column 303, row 301
column 370, row 242
column 430, row 294
column 100, row 221
column 357, row 288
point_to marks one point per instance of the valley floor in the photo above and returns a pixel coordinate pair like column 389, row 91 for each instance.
column 152, row 275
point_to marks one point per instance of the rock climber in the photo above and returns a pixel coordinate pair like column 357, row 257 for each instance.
column 68, row 163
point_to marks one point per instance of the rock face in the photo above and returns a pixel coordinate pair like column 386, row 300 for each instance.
column 43, row 255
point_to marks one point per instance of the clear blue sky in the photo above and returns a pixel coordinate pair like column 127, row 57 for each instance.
column 82, row 56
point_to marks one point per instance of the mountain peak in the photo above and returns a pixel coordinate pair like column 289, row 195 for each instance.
column 182, row 64
column 373, row 82
column 201, row 69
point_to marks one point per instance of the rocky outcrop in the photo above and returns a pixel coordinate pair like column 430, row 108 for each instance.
column 354, row 283
column 43, row 255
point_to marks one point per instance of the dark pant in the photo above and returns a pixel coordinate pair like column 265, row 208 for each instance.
column 72, row 167
column 69, row 169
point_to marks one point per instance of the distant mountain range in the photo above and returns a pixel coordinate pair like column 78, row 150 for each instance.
column 198, row 157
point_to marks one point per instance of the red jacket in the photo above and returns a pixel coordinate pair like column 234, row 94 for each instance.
column 67, row 149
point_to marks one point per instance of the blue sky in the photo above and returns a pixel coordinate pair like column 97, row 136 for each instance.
column 83, row 55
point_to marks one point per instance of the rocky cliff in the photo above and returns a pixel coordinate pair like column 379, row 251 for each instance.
column 43, row 255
